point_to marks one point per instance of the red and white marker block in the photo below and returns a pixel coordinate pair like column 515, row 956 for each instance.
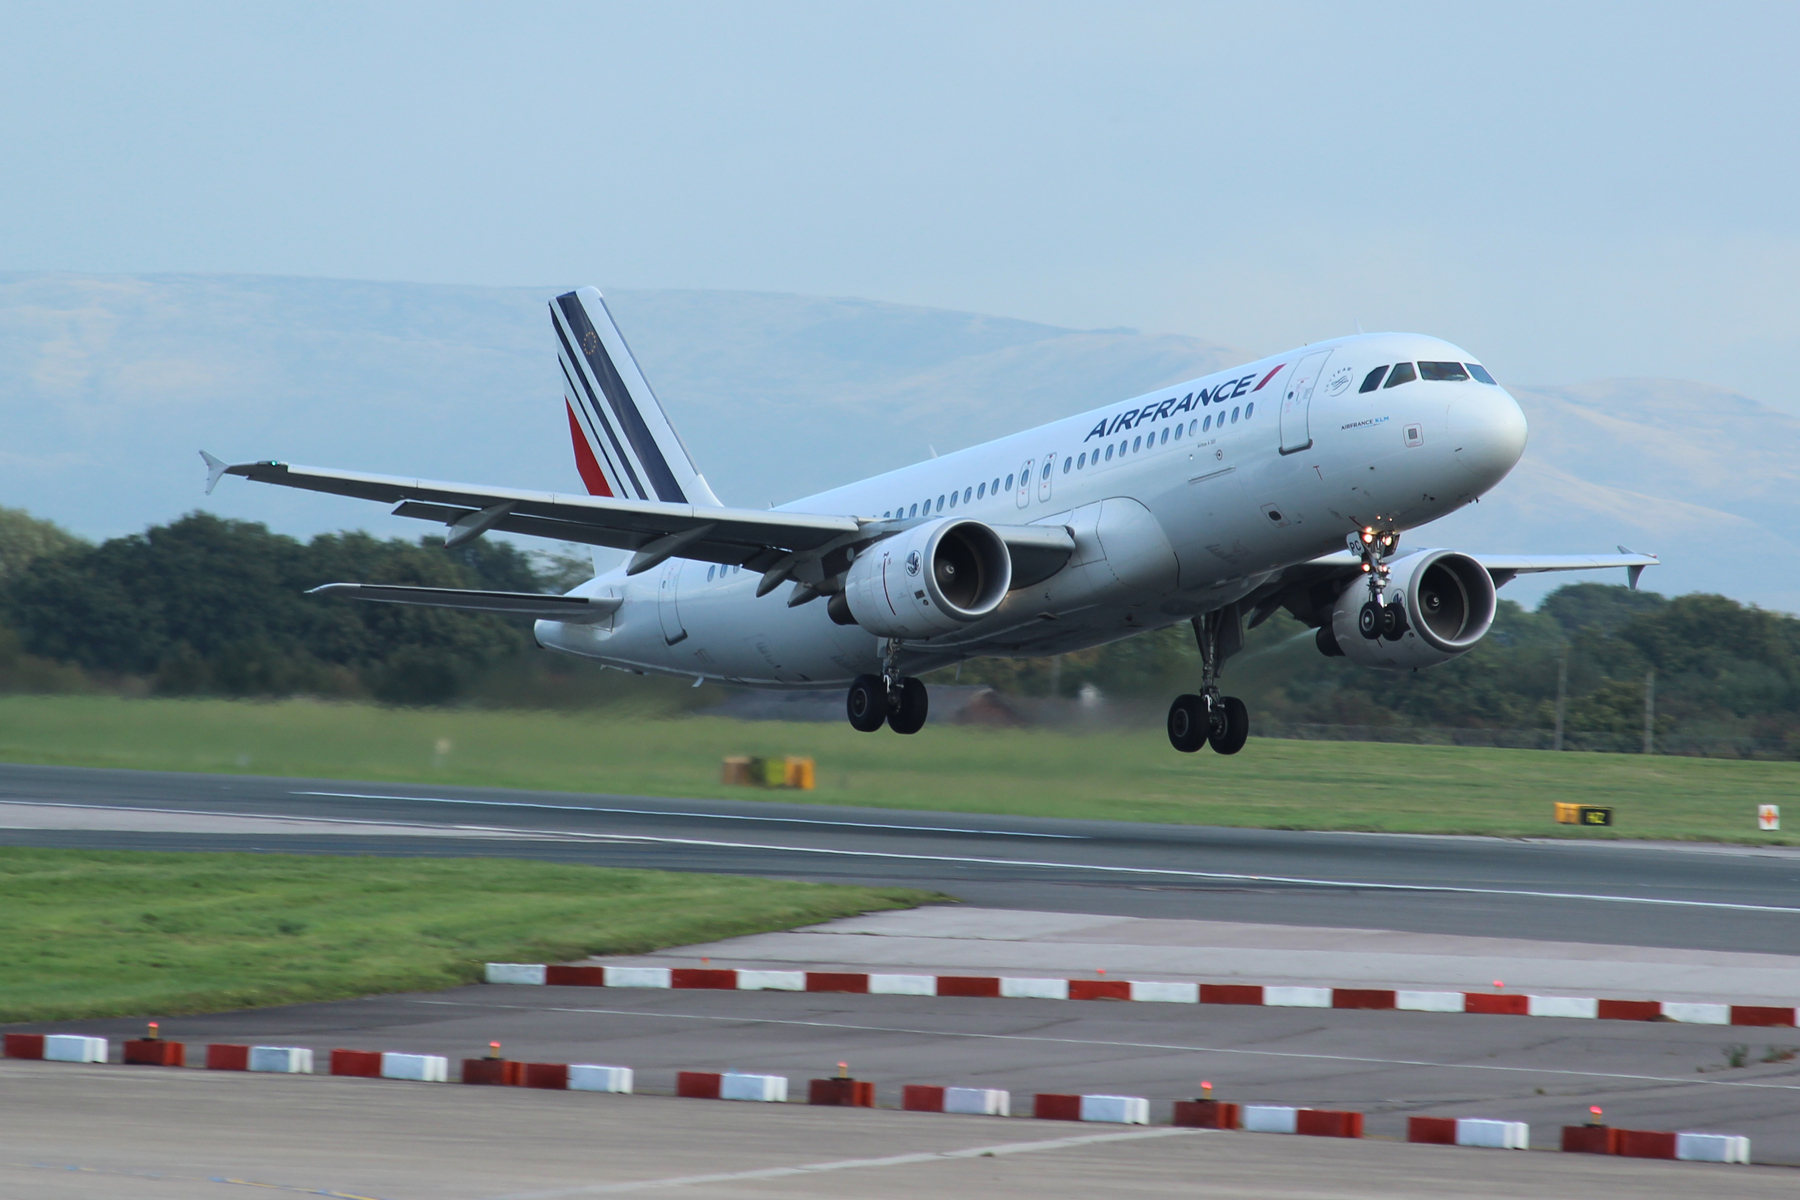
column 1768, row 817
column 1116, row 1110
column 276, row 1060
column 973, row 1102
column 1469, row 1131
column 1309, row 1122
column 731, row 1085
column 1712, row 1147
column 56, row 1047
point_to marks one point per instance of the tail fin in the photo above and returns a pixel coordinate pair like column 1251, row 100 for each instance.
column 624, row 444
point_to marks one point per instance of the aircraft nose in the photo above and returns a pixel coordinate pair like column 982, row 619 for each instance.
column 1487, row 428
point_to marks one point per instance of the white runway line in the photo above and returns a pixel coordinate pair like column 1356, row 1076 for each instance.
column 662, row 812
column 852, row 1164
column 1067, row 1041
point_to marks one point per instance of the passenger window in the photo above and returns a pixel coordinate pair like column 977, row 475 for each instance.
column 1372, row 380
column 1178, row 430
column 1081, row 460
column 940, row 504
column 1164, row 439
column 1047, row 467
column 1009, row 480
column 967, row 492
column 915, row 510
column 996, row 485
column 981, row 491
column 953, row 499
column 1208, row 424
column 1234, row 413
column 1403, row 373
column 1442, row 372
column 1193, row 426
column 1248, row 409
column 1109, row 452
column 1136, row 443
column 709, row 573
column 1480, row 372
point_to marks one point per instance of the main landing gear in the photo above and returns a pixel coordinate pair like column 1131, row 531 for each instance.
column 1223, row 722
column 875, row 700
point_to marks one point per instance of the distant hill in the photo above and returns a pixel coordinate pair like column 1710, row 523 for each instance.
column 109, row 384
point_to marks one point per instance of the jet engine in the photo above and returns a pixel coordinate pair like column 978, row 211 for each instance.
column 930, row 579
column 1438, row 605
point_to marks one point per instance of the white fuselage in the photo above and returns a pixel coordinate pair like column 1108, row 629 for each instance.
column 1180, row 501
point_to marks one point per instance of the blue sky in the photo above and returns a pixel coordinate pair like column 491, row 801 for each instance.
column 1571, row 191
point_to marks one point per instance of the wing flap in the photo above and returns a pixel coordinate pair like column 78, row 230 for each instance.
column 575, row 609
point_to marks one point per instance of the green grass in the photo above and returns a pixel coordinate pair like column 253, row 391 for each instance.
column 117, row 933
column 1128, row 775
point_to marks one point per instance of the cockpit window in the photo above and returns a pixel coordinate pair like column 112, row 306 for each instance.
column 1403, row 373
column 1480, row 372
column 1372, row 380
column 1442, row 372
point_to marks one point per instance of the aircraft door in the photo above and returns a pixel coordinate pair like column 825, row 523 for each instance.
column 668, row 609
column 1025, row 482
column 1046, row 474
column 1296, row 403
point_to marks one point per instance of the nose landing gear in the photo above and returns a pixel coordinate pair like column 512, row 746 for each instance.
column 1223, row 722
column 1376, row 619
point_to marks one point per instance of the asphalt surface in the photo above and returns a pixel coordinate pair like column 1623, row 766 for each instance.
column 1720, row 898
column 99, row 1133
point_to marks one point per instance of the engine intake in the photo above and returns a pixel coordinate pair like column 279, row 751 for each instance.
column 1448, row 603
column 928, row 580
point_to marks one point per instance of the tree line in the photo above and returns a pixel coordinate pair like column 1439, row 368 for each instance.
column 205, row 606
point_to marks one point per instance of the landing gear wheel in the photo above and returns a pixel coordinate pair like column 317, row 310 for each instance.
column 907, row 707
column 1368, row 620
column 1393, row 620
column 867, row 703
column 1235, row 719
column 1188, row 728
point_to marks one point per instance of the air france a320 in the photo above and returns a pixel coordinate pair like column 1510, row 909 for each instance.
column 1285, row 483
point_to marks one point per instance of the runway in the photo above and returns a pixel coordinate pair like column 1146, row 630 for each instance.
column 1702, row 897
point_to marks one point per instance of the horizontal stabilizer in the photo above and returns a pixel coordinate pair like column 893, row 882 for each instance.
column 511, row 604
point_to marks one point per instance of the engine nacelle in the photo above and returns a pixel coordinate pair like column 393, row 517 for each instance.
column 1448, row 599
column 929, row 580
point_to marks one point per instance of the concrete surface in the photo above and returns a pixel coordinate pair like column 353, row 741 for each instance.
column 95, row 1133
column 1389, row 1065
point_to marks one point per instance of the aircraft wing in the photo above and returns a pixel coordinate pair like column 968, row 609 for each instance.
column 781, row 545
column 1504, row 567
column 735, row 536
column 574, row 609
column 1310, row 588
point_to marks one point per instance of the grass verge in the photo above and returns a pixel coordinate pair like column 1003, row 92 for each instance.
column 119, row 933
column 1129, row 775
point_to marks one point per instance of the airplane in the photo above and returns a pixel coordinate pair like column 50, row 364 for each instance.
column 1284, row 483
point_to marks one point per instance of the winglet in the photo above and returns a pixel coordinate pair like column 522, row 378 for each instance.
column 1632, row 573
column 215, row 470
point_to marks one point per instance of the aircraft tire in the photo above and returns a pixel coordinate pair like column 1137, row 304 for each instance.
column 867, row 703
column 1368, row 620
column 1393, row 620
column 908, row 715
column 1237, row 727
column 1187, row 723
